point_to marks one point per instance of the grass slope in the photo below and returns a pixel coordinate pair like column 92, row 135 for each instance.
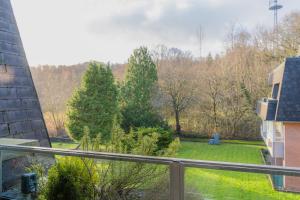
column 214, row 184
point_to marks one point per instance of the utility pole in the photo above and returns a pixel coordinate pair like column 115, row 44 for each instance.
column 200, row 36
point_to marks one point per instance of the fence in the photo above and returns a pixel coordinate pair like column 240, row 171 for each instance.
column 176, row 166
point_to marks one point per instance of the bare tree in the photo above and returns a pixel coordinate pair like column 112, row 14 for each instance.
column 176, row 82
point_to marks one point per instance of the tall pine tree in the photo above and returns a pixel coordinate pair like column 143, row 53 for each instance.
column 94, row 104
column 137, row 91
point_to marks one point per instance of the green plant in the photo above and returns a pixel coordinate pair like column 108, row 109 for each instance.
column 138, row 91
column 72, row 178
column 125, row 180
column 94, row 104
column 165, row 137
column 146, row 118
column 83, row 179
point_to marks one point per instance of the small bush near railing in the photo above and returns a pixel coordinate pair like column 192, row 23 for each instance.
column 71, row 178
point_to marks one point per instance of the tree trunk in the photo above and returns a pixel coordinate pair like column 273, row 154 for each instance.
column 178, row 127
column 215, row 116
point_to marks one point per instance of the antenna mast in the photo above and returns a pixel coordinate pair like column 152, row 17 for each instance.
column 200, row 35
column 275, row 7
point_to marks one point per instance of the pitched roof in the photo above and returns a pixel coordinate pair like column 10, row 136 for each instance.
column 287, row 77
column 20, row 111
column 288, row 108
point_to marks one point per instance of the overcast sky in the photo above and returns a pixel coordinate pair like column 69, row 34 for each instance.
column 73, row 31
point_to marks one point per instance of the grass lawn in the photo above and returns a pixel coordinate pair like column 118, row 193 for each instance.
column 62, row 145
column 216, row 184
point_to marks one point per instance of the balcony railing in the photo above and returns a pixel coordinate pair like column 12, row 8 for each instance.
column 176, row 166
column 278, row 136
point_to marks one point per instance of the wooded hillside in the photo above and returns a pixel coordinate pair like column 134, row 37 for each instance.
column 198, row 95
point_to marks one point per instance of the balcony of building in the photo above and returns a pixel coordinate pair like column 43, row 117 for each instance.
column 273, row 135
column 266, row 109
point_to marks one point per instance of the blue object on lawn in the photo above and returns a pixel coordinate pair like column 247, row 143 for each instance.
column 215, row 139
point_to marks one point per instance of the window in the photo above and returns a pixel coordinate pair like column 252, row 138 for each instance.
column 275, row 91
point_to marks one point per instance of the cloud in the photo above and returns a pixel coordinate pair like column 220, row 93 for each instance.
column 68, row 31
column 176, row 21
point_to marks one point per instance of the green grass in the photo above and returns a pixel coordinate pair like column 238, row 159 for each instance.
column 246, row 142
column 62, row 145
column 216, row 184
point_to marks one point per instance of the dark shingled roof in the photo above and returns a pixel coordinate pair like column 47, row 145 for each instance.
column 288, row 108
column 20, row 111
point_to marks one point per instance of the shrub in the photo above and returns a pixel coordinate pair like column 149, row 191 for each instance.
column 135, row 117
column 85, row 179
column 125, row 180
column 165, row 137
column 71, row 178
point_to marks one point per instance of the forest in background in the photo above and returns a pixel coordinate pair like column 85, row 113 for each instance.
column 195, row 95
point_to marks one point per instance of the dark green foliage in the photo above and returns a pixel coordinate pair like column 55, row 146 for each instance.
column 141, row 77
column 138, row 90
column 134, row 117
column 70, row 179
column 165, row 137
column 94, row 104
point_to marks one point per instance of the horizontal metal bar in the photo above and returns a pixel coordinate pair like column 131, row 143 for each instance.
column 88, row 154
column 252, row 168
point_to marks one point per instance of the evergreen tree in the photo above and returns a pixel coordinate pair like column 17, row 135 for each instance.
column 94, row 104
column 137, row 92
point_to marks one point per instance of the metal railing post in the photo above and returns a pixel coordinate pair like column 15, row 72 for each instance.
column 176, row 181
